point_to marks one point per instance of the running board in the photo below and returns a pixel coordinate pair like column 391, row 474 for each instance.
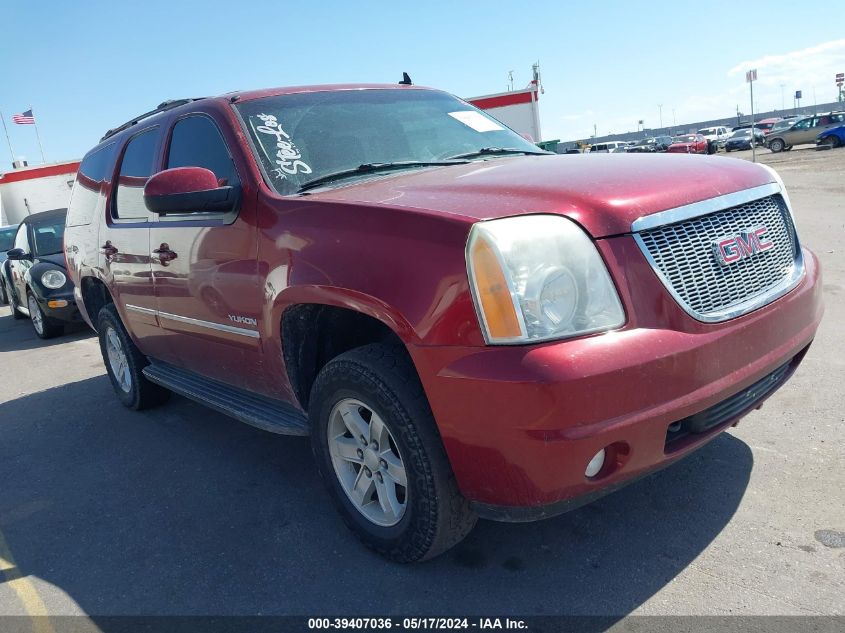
column 259, row 411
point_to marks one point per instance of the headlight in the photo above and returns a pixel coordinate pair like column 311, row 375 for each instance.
column 537, row 278
column 53, row 279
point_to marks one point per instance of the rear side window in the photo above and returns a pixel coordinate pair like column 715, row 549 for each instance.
column 196, row 142
column 85, row 199
column 135, row 169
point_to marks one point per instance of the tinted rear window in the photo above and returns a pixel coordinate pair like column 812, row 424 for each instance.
column 85, row 197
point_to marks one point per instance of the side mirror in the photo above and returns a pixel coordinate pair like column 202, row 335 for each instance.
column 16, row 254
column 188, row 190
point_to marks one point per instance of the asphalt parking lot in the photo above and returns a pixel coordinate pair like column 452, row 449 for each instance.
column 180, row 510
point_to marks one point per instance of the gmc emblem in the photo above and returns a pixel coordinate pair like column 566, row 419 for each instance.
column 729, row 250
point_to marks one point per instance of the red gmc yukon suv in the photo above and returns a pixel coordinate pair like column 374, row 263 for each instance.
column 465, row 325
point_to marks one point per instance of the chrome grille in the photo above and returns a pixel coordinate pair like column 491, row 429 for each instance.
column 683, row 255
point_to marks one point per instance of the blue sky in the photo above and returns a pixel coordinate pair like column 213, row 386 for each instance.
column 87, row 66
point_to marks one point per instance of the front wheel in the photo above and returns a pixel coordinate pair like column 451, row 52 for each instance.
column 776, row 145
column 44, row 326
column 833, row 141
column 125, row 363
column 377, row 448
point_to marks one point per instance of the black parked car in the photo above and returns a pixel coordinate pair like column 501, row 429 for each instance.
column 7, row 239
column 643, row 145
column 35, row 276
column 741, row 139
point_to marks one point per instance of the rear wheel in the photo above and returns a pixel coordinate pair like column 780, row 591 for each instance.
column 777, row 145
column 44, row 326
column 125, row 363
column 376, row 445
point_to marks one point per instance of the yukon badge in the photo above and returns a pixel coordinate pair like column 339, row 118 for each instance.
column 236, row 318
column 730, row 249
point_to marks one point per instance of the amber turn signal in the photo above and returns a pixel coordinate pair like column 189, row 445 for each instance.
column 493, row 292
column 57, row 303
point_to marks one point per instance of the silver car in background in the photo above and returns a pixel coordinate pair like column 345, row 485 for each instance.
column 803, row 131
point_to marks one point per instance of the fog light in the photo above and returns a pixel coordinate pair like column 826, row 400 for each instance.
column 57, row 303
column 595, row 464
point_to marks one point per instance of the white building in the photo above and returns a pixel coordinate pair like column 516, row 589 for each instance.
column 29, row 190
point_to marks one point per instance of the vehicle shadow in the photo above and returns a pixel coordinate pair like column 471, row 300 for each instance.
column 18, row 335
column 180, row 510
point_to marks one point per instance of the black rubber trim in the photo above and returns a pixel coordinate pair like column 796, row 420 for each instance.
column 527, row 514
column 253, row 409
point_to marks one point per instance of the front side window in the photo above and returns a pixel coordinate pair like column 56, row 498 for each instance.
column 305, row 136
column 803, row 124
column 22, row 239
column 135, row 169
column 196, row 142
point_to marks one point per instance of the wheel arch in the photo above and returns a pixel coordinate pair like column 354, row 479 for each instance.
column 314, row 333
column 95, row 296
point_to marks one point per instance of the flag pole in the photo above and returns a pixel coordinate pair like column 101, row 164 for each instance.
column 37, row 135
column 8, row 140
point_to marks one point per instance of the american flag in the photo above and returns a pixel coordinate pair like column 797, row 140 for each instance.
column 24, row 118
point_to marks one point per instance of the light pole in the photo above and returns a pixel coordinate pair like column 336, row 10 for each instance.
column 660, row 113
column 674, row 121
column 782, row 103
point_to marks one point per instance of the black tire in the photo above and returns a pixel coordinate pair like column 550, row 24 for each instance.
column 777, row 145
column 436, row 516
column 49, row 328
column 13, row 304
column 4, row 296
column 141, row 394
column 833, row 141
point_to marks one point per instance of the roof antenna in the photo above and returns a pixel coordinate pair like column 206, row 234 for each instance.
column 406, row 80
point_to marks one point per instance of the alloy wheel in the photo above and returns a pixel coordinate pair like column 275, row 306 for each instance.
column 35, row 314
column 367, row 462
column 117, row 360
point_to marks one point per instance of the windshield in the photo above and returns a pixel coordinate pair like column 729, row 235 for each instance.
column 7, row 238
column 645, row 141
column 305, row 136
column 707, row 130
column 684, row 139
column 48, row 236
column 738, row 133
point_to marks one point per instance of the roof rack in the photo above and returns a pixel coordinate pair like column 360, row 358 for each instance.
column 162, row 107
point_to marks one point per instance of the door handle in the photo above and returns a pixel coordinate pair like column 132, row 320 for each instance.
column 108, row 250
column 164, row 255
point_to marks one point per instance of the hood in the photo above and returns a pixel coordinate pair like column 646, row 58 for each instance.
column 58, row 259
column 605, row 193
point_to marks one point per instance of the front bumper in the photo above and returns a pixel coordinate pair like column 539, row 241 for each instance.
column 521, row 423
column 51, row 305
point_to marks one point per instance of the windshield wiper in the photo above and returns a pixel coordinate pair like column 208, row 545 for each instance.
column 486, row 151
column 369, row 168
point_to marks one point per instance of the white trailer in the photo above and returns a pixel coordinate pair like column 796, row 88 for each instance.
column 29, row 190
column 518, row 109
